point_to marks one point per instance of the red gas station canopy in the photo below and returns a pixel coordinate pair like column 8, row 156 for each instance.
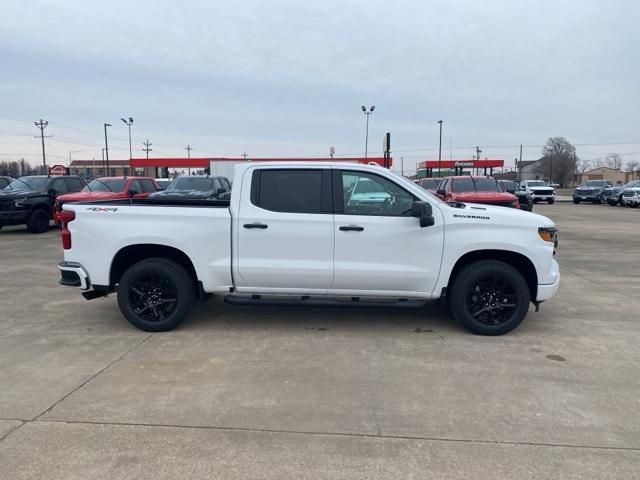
column 202, row 162
column 461, row 163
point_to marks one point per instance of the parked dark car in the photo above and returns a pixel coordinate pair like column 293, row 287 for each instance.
column 195, row 187
column 613, row 194
column 591, row 191
column 4, row 181
column 30, row 200
column 525, row 199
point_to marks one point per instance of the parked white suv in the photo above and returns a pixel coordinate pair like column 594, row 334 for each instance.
column 631, row 196
column 540, row 190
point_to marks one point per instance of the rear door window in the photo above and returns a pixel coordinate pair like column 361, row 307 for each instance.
column 147, row 186
column 289, row 190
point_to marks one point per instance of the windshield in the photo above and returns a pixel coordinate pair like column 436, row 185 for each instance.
column 485, row 184
column 429, row 183
column 537, row 183
column 595, row 183
column 365, row 185
column 105, row 185
column 25, row 183
column 204, row 184
column 634, row 183
column 509, row 185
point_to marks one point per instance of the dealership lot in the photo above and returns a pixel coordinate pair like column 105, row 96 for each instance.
column 266, row 392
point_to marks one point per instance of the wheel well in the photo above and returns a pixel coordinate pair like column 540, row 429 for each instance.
column 516, row 260
column 134, row 253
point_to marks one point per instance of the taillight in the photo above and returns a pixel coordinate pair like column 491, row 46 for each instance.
column 66, row 216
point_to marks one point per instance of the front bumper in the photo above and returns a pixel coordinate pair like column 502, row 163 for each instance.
column 73, row 274
column 635, row 200
column 538, row 196
column 548, row 291
column 587, row 197
column 13, row 217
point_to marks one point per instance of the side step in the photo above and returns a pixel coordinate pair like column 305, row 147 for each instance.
column 305, row 301
column 93, row 294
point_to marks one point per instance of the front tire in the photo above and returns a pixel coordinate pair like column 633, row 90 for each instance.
column 38, row 221
column 551, row 201
column 489, row 297
column 576, row 201
column 156, row 294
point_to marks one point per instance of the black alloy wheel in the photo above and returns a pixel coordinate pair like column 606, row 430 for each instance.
column 156, row 294
column 489, row 297
column 38, row 221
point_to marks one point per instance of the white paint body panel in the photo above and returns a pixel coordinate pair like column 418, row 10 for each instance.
column 307, row 254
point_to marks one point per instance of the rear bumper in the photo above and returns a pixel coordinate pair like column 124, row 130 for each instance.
column 73, row 274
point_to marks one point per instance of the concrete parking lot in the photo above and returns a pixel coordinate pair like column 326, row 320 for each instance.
column 300, row 392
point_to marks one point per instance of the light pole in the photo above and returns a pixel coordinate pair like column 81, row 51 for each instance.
column 106, row 146
column 440, row 151
column 366, row 138
column 128, row 124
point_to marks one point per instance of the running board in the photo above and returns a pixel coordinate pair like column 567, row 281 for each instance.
column 304, row 301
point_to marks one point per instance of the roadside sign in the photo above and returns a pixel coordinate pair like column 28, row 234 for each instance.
column 57, row 170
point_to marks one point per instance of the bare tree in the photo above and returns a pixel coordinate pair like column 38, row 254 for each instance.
column 558, row 162
column 582, row 165
column 632, row 166
column 614, row 160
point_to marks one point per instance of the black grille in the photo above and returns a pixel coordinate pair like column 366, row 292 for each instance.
column 628, row 193
column 543, row 192
column 7, row 205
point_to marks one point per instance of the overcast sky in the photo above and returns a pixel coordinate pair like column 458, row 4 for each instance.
column 287, row 78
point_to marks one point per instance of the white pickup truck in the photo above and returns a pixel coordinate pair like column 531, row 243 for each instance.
column 299, row 231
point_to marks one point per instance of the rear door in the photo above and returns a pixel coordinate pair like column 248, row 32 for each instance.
column 379, row 246
column 285, row 230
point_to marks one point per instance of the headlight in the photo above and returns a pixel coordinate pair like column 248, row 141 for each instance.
column 548, row 234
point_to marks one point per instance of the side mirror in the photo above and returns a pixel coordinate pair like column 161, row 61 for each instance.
column 133, row 192
column 220, row 191
column 424, row 212
column 442, row 192
column 52, row 192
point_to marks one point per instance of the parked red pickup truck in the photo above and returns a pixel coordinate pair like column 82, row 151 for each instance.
column 468, row 189
column 110, row 188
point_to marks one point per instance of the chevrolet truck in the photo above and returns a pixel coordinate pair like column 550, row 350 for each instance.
column 300, row 231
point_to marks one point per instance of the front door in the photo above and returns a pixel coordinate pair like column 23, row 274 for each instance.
column 379, row 247
column 285, row 232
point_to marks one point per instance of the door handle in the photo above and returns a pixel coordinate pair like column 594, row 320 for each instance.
column 255, row 225
column 352, row 228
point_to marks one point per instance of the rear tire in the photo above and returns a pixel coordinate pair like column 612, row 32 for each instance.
column 156, row 294
column 38, row 221
column 489, row 297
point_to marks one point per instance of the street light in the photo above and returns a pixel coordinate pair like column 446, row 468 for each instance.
column 440, row 150
column 128, row 124
column 106, row 145
column 366, row 138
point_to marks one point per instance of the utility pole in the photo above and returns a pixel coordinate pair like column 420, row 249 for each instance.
column 106, row 146
column 147, row 144
column 478, row 152
column 402, row 166
column 42, row 124
column 520, row 165
column 188, row 148
column 244, row 155
column 440, row 151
